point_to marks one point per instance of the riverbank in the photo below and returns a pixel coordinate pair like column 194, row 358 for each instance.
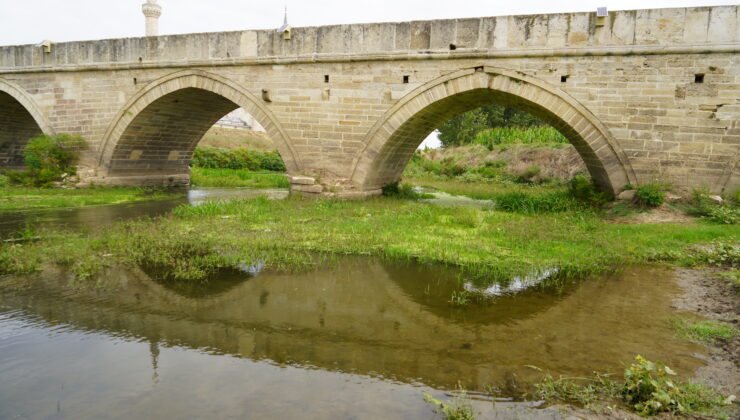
column 28, row 198
column 486, row 243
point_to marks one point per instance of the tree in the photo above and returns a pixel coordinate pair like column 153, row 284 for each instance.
column 463, row 128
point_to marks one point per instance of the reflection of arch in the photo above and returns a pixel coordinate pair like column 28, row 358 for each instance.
column 394, row 138
column 158, row 129
column 20, row 120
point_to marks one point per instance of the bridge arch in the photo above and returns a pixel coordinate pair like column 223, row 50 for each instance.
column 393, row 139
column 20, row 120
column 153, row 136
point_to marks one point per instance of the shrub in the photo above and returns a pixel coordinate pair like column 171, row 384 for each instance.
column 649, row 390
column 4, row 181
column 49, row 159
column 406, row 191
column 214, row 158
column 581, row 188
column 651, row 195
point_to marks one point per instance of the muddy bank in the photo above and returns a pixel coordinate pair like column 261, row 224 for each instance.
column 711, row 296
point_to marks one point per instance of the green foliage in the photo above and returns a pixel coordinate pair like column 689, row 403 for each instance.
column 499, row 136
column 25, row 198
column 463, row 128
column 649, row 390
column 4, row 181
column 707, row 331
column 403, row 191
column 459, row 408
column 581, row 188
column 701, row 205
column 49, row 159
column 528, row 203
column 211, row 157
column 231, row 178
column 651, row 195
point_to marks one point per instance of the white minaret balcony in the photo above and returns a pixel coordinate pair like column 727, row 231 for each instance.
column 152, row 11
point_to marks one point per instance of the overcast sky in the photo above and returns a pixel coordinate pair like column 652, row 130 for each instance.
column 31, row 21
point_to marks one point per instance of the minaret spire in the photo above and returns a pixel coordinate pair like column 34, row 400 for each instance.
column 152, row 11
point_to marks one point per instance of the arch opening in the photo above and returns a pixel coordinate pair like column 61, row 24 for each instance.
column 17, row 126
column 155, row 136
column 161, row 139
column 394, row 139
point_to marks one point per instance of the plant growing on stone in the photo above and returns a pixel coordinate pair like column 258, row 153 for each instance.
column 651, row 195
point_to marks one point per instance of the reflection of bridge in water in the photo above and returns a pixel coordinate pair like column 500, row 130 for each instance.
column 388, row 320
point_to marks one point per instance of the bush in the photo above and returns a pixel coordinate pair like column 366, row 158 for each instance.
column 703, row 206
column 49, row 159
column 406, row 191
column 581, row 188
column 649, row 390
column 214, row 158
column 651, row 195
column 4, row 181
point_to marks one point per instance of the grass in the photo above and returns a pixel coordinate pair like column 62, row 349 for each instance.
column 236, row 138
column 541, row 136
column 704, row 330
column 487, row 244
column 26, row 198
column 218, row 177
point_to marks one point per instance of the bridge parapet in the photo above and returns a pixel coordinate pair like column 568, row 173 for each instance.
column 653, row 31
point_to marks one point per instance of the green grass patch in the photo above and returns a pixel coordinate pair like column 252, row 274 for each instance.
column 540, row 136
column 227, row 178
column 487, row 244
column 26, row 198
column 705, row 330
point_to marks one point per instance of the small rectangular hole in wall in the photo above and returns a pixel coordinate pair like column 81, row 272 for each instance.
column 134, row 80
column 699, row 78
column 564, row 78
column 453, row 47
column 406, row 79
column 326, row 78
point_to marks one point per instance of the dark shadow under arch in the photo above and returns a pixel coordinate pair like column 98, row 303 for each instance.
column 20, row 120
column 153, row 138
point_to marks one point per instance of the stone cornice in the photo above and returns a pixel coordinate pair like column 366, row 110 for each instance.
column 460, row 53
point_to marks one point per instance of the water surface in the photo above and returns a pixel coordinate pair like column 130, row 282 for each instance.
column 361, row 338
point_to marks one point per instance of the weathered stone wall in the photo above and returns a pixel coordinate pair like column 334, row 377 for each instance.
column 661, row 87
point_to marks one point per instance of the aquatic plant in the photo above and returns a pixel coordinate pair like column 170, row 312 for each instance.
column 458, row 408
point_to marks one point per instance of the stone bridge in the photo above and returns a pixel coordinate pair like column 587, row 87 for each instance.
column 643, row 95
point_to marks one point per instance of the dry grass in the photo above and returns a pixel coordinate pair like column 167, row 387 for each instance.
column 235, row 138
column 560, row 163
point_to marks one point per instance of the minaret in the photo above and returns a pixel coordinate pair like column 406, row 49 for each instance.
column 152, row 11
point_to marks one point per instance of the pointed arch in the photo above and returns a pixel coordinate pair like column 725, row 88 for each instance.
column 393, row 139
column 156, row 132
column 20, row 120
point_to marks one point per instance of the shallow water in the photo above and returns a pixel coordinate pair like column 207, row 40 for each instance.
column 95, row 217
column 362, row 338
